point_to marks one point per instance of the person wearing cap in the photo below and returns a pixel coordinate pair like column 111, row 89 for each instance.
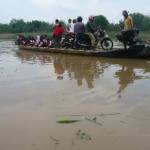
column 91, row 29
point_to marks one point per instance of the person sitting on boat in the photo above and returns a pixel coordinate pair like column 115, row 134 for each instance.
column 28, row 40
column 32, row 41
column 91, row 30
column 37, row 40
column 127, row 33
column 41, row 41
column 50, row 43
column 45, row 41
column 57, row 34
column 20, row 40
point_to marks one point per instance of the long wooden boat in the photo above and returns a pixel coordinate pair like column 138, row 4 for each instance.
column 138, row 51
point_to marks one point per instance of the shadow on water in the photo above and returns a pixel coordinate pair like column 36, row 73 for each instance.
column 88, row 69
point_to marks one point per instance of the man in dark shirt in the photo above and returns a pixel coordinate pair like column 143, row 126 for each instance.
column 91, row 29
column 79, row 26
column 79, row 30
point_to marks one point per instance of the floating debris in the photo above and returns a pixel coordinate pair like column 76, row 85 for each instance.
column 67, row 120
column 94, row 120
column 109, row 114
column 121, row 121
column 83, row 136
column 54, row 140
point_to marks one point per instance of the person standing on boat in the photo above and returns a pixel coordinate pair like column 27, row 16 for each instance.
column 56, row 26
column 57, row 34
column 56, row 23
column 74, row 22
column 70, row 26
column 128, row 21
column 79, row 30
column 91, row 29
column 79, row 26
column 127, row 33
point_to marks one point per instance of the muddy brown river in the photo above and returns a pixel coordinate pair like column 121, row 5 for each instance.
column 104, row 104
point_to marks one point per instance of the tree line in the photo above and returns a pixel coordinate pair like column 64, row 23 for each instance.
column 20, row 26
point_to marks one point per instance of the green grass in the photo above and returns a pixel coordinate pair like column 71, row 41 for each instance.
column 7, row 36
column 145, row 36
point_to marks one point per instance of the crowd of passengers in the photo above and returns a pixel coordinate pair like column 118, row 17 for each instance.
column 75, row 28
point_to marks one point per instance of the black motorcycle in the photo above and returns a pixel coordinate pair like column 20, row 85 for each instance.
column 79, row 41
column 129, row 38
column 68, row 40
column 102, row 40
column 83, row 41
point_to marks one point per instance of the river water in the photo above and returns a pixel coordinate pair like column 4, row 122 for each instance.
column 109, row 97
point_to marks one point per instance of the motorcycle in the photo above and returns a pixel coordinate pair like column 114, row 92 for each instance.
column 79, row 41
column 83, row 40
column 68, row 40
column 129, row 38
column 102, row 40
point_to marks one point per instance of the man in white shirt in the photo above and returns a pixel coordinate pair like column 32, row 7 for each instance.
column 70, row 26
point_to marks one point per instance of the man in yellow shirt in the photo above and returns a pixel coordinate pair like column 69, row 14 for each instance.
column 128, row 21
column 127, row 33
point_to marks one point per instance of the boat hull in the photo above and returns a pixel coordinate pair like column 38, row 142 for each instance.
column 140, row 51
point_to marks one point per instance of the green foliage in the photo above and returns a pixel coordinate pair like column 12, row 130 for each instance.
column 101, row 21
column 17, row 25
column 4, row 28
column 114, row 27
column 20, row 26
column 141, row 21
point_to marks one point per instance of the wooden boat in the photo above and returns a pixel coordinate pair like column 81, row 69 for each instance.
column 138, row 51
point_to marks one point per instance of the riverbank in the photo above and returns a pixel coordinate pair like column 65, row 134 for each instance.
column 12, row 36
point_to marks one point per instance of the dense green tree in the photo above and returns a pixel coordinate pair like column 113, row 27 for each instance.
column 101, row 21
column 4, row 28
column 19, row 25
column 141, row 21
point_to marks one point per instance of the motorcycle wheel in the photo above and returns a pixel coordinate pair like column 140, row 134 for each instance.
column 107, row 44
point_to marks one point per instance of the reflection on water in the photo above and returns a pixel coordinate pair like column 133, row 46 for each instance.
column 89, row 69
column 37, row 89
